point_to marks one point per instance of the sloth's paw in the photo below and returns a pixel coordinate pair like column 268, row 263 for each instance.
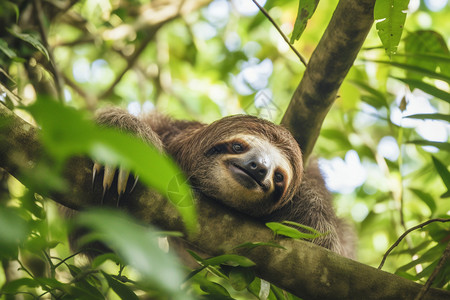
column 108, row 180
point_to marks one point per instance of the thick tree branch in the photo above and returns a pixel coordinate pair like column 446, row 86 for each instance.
column 302, row 268
column 327, row 68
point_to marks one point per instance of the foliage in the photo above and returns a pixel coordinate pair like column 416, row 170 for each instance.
column 211, row 62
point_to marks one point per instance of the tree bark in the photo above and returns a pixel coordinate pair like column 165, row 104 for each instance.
column 326, row 70
column 302, row 268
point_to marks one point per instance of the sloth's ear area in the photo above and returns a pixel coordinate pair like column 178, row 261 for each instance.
column 109, row 173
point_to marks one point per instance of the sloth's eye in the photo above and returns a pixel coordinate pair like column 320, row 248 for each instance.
column 278, row 177
column 237, row 147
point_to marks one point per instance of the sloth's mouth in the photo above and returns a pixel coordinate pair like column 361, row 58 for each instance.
column 246, row 179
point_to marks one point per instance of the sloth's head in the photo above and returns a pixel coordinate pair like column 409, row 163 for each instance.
column 247, row 163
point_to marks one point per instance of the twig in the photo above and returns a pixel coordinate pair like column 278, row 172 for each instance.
column 264, row 11
column 445, row 256
column 59, row 81
column 405, row 234
column 131, row 61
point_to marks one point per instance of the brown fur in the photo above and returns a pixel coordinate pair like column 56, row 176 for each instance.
column 304, row 200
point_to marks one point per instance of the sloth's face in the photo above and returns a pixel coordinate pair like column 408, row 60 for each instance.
column 247, row 173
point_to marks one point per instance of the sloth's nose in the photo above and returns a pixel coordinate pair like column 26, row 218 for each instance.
column 257, row 169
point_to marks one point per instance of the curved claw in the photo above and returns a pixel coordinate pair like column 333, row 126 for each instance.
column 134, row 184
column 108, row 178
column 122, row 180
column 95, row 170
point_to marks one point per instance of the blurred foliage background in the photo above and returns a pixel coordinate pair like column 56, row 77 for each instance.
column 389, row 171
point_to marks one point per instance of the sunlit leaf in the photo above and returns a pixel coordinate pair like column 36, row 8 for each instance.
column 415, row 69
column 440, row 145
column 6, row 50
column 444, row 173
column 288, row 231
column 423, row 48
column 240, row 278
column 122, row 290
column 426, row 198
column 99, row 260
column 31, row 39
column 427, row 88
column 13, row 231
column 379, row 98
column 229, row 259
column 306, row 9
column 390, row 18
column 15, row 285
column 138, row 246
column 250, row 245
column 430, row 117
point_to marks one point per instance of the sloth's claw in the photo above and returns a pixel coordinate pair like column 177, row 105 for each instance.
column 108, row 178
column 95, row 170
column 122, row 180
column 134, row 184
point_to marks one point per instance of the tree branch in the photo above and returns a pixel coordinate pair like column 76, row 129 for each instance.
column 327, row 68
column 302, row 268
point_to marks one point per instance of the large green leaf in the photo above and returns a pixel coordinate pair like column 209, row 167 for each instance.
column 444, row 173
column 306, row 9
column 440, row 145
column 427, row 42
column 291, row 232
column 427, row 88
column 415, row 69
column 122, row 290
column 138, row 246
column 436, row 116
column 31, row 39
column 390, row 17
column 67, row 132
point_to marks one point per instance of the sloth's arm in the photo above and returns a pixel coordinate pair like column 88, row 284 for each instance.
column 124, row 121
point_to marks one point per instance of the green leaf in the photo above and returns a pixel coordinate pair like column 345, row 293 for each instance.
column 306, row 9
column 440, row 145
column 15, row 285
column 426, row 198
column 13, row 231
column 444, row 173
column 303, row 227
column 6, row 50
column 390, row 18
column 379, row 99
column 123, row 291
column 427, row 88
column 250, row 245
column 216, row 290
column 427, row 49
column 415, row 69
column 288, row 231
column 137, row 245
column 430, row 116
column 106, row 145
column 99, row 260
column 230, row 260
column 31, row 39
column 240, row 278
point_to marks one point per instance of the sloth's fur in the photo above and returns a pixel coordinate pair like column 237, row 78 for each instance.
column 207, row 154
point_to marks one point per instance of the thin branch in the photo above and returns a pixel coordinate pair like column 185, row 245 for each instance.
column 59, row 81
column 421, row 225
column 264, row 11
column 131, row 61
column 442, row 261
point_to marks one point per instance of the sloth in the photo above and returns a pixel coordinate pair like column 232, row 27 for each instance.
column 246, row 163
